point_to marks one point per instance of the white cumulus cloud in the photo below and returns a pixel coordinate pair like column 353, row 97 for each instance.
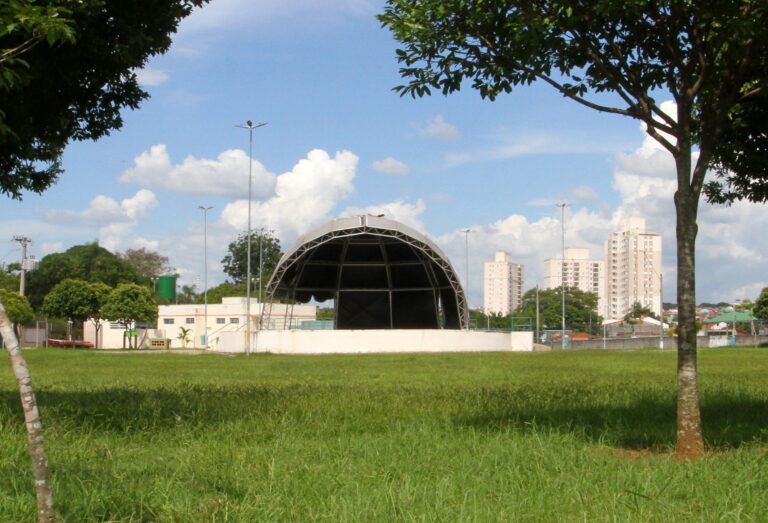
column 303, row 196
column 150, row 77
column 227, row 175
column 391, row 166
column 103, row 210
column 137, row 207
column 440, row 129
column 399, row 210
column 115, row 221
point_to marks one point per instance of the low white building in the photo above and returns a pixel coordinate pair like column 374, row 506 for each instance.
column 226, row 322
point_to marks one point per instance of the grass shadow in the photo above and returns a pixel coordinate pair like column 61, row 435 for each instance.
column 638, row 419
column 730, row 420
column 139, row 410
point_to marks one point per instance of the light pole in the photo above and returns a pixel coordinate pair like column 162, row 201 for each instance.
column 205, row 268
column 538, row 338
column 562, row 271
column 261, row 269
column 250, row 126
column 466, row 259
column 661, row 311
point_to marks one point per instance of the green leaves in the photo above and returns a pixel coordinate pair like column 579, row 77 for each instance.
column 77, row 300
column 17, row 307
column 264, row 244
column 580, row 309
column 130, row 303
column 761, row 305
column 90, row 48
column 88, row 262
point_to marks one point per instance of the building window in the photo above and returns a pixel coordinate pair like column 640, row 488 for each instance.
column 219, row 320
column 168, row 321
column 190, row 320
column 234, row 320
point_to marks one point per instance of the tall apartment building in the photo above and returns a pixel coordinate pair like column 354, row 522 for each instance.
column 502, row 285
column 633, row 269
column 577, row 270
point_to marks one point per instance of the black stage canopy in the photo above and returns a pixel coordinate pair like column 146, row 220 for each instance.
column 380, row 273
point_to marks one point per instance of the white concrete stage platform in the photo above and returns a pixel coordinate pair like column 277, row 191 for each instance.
column 376, row 341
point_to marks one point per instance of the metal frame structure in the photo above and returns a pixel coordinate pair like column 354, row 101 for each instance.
column 368, row 231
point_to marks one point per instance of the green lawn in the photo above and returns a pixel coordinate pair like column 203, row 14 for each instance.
column 574, row 436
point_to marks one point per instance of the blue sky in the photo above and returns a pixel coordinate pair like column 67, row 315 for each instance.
column 340, row 141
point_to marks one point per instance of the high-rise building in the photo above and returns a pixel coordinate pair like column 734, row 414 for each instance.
column 502, row 285
column 577, row 270
column 633, row 269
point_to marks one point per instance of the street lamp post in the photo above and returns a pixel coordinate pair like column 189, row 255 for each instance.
column 538, row 338
column 261, row 269
column 466, row 259
column 562, row 271
column 661, row 312
column 250, row 126
column 205, row 269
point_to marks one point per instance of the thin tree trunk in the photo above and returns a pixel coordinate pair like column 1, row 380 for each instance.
column 690, row 442
column 45, row 510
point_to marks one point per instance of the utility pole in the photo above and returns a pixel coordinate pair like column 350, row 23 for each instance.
column 24, row 241
column 538, row 338
column 261, row 270
column 466, row 258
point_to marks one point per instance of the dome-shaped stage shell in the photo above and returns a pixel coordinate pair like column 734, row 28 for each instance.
column 380, row 273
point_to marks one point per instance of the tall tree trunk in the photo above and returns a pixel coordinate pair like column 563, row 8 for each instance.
column 45, row 510
column 690, row 442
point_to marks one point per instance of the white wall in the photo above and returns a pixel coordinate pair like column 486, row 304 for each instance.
column 111, row 335
column 379, row 341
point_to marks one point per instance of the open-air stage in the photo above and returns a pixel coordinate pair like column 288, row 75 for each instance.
column 393, row 290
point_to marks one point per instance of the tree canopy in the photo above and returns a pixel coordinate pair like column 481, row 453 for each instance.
column 8, row 279
column 146, row 264
column 26, row 23
column 223, row 290
column 76, row 300
column 17, row 307
column 639, row 311
column 130, row 303
column 236, row 260
column 88, row 262
column 741, row 156
column 580, row 309
column 761, row 305
column 72, row 73
column 494, row 320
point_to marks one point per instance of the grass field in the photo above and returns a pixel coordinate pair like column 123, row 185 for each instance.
column 558, row 436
